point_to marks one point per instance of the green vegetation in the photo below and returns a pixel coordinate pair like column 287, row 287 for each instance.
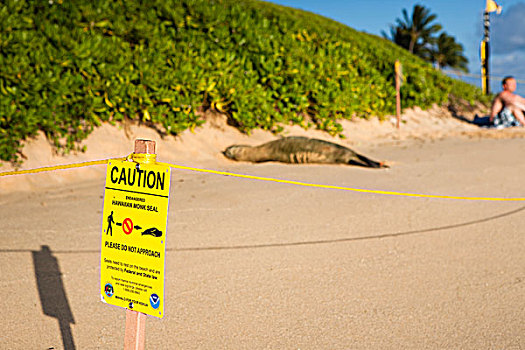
column 68, row 66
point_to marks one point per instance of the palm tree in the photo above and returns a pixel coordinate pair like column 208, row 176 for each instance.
column 414, row 33
column 398, row 36
column 448, row 53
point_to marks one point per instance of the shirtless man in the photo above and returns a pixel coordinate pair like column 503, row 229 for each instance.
column 508, row 108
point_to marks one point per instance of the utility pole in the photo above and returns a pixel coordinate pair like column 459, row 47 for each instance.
column 485, row 53
column 491, row 6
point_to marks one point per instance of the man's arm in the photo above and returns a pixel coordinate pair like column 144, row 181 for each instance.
column 519, row 115
column 497, row 106
column 514, row 102
column 520, row 102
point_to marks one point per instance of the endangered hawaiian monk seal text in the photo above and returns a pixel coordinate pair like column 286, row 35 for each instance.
column 297, row 149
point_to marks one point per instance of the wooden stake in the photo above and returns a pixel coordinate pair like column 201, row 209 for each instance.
column 135, row 334
column 144, row 146
column 398, row 92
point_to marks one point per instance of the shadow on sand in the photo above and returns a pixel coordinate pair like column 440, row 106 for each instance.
column 352, row 239
column 479, row 121
column 52, row 293
column 268, row 245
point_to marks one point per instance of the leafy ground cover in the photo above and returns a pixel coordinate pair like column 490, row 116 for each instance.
column 68, row 66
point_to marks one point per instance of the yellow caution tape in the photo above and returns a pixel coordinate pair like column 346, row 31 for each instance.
column 58, row 167
column 390, row 193
column 260, row 178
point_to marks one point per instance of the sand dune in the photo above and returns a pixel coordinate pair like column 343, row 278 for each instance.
column 204, row 146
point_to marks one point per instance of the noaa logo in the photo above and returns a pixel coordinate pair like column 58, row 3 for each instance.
column 108, row 289
column 154, row 301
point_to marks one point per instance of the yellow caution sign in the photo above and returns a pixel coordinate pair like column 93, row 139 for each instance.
column 134, row 236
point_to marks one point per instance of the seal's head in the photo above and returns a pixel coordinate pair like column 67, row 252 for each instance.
column 235, row 152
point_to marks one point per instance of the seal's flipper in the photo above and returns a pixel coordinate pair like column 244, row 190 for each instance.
column 369, row 162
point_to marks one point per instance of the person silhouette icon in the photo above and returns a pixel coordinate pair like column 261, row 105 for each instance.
column 110, row 221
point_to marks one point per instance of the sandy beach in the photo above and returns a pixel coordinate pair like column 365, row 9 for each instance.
column 261, row 265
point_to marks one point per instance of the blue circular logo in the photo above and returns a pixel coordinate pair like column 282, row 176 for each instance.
column 108, row 289
column 154, row 301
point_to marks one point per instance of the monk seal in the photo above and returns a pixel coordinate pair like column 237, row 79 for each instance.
column 298, row 149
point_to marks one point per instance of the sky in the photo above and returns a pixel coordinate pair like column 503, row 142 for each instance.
column 462, row 19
